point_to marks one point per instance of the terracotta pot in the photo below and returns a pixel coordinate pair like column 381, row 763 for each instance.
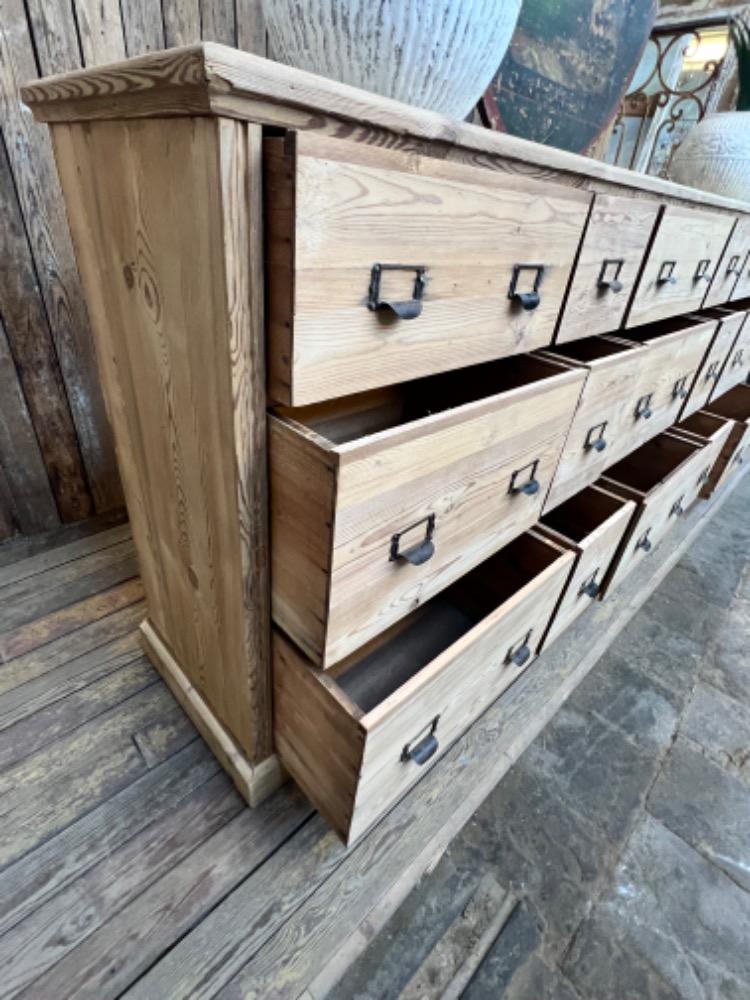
column 437, row 54
column 715, row 155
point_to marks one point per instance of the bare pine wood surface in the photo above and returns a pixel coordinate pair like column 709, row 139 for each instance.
column 129, row 866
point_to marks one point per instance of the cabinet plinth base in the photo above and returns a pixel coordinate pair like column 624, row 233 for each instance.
column 255, row 782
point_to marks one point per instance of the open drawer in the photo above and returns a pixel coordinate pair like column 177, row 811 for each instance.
column 354, row 739
column 614, row 245
column 681, row 264
column 729, row 322
column 709, row 429
column 736, row 365
column 735, row 407
column 380, row 500
column 591, row 524
column 385, row 266
column 664, row 477
column 635, row 389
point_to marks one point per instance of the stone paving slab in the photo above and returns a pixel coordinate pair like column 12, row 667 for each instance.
column 707, row 807
column 678, row 915
column 721, row 725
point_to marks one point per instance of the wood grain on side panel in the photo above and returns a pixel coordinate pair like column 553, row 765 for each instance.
column 149, row 204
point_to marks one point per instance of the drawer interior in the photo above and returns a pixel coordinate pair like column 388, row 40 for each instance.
column 644, row 469
column 734, row 404
column 349, row 418
column 582, row 514
column 401, row 652
column 592, row 349
column 703, row 424
column 664, row 327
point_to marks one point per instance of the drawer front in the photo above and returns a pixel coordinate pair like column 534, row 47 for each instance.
column 737, row 363
column 731, row 265
column 614, row 245
column 594, row 556
column 385, row 266
column 626, row 402
column 674, row 361
column 455, row 690
column 470, row 484
column 686, row 251
column 598, row 433
column 658, row 513
column 710, row 371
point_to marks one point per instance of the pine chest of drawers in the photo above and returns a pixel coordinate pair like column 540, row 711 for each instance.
column 352, row 354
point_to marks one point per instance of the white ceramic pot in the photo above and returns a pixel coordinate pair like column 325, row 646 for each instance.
column 715, row 155
column 438, row 54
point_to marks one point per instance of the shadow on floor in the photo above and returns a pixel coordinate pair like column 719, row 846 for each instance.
column 624, row 829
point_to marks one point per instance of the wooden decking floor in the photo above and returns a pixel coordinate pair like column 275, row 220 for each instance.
column 129, row 865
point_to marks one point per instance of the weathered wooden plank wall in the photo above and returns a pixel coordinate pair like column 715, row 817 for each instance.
column 57, row 460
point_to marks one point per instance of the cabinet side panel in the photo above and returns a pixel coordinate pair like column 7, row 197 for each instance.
column 144, row 202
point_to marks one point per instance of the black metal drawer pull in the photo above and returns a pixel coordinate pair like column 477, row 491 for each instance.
column 666, row 275
column 419, row 553
column 738, row 358
column 643, row 407
column 591, row 587
column 595, row 439
column 421, row 749
column 406, row 308
column 530, row 486
column 520, row 653
column 734, row 265
column 712, row 372
column 704, row 476
column 608, row 279
column 644, row 542
column 677, row 509
column 701, row 271
column 739, row 457
column 527, row 300
column 680, row 391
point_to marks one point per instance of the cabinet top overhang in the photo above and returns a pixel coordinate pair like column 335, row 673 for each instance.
column 212, row 79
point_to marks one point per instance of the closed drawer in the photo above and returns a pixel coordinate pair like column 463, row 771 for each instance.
column 591, row 524
column 685, row 253
column 736, row 365
column 664, row 477
column 385, row 266
column 380, row 500
column 709, row 375
column 635, row 389
column 614, row 245
column 729, row 438
column 726, row 278
column 355, row 742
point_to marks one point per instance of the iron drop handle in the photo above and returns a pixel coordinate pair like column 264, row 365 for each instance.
column 520, row 655
column 590, row 589
column 613, row 283
column 666, row 274
column 403, row 308
column 423, row 749
column 677, row 509
column 530, row 488
column 417, row 554
column 644, row 542
column 527, row 300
